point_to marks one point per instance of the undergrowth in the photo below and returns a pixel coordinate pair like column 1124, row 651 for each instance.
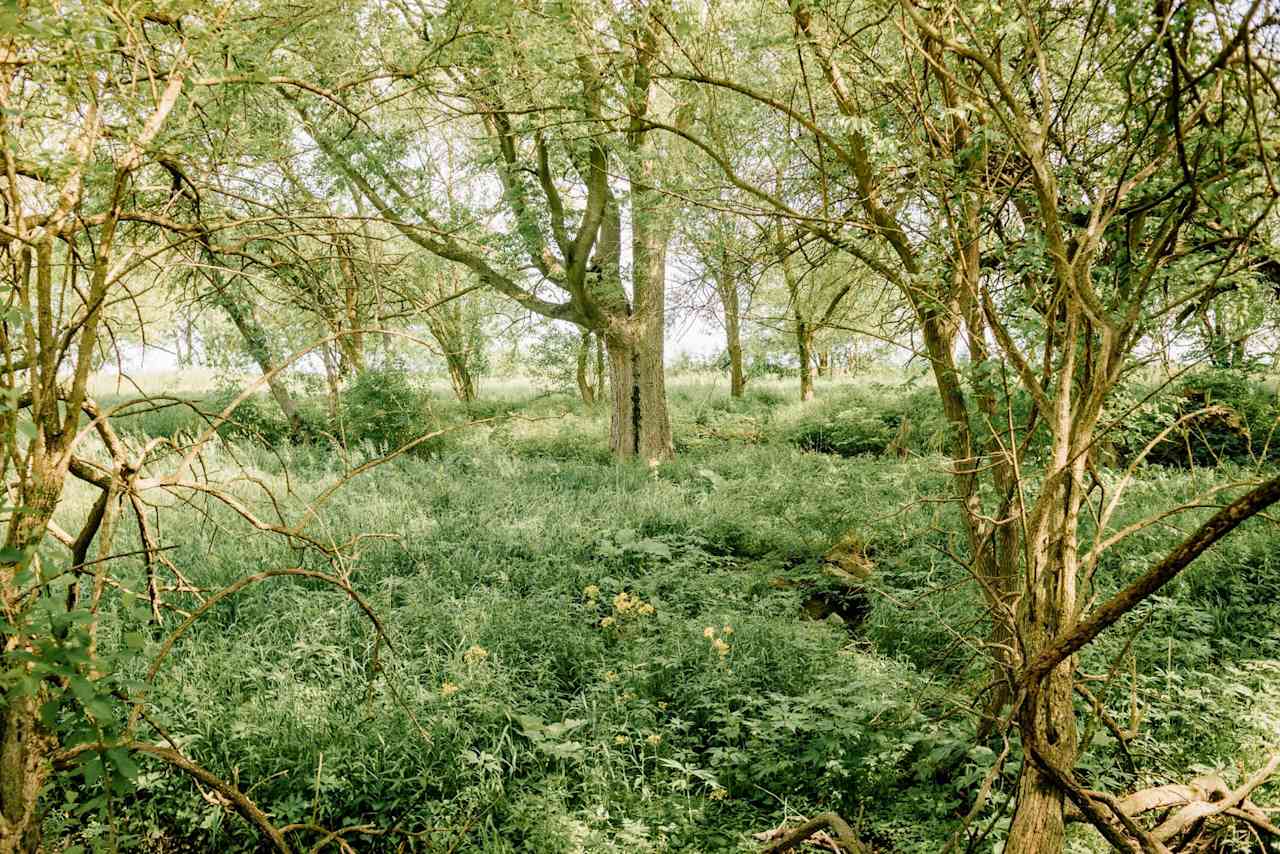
column 583, row 656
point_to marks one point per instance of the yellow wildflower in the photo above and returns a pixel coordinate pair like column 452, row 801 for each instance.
column 607, row 622
column 448, row 689
column 611, row 676
column 623, row 602
column 720, row 646
column 591, row 591
column 620, row 739
column 475, row 654
column 646, row 609
column 728, row 629
column 718, row 794
column 709, row 632
column 654, row 739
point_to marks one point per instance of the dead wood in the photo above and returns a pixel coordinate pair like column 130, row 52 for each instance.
column 845, row 837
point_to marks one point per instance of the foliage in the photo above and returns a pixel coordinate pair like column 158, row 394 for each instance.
column 258, row 418
column 552, row 359
column 1240, row 427
column 872, row 421
column 385, row 409
column 607, row 661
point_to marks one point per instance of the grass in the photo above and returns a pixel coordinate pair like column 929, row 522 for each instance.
column 594, row 657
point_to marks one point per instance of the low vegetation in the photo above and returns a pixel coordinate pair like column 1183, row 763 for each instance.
column 581, row 657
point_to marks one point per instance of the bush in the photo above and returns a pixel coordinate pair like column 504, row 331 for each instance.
column 1238, row 429
column 384, row 408
column 848, row 433
column 864, row 423
column 258, row 417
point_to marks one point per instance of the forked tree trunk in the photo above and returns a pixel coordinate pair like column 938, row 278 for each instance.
column 1046, row 612
column 460, row 376
column 448, row 328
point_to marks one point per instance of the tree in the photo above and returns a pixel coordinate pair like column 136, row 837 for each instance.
column 556, row 122
column 1023, row 165
column 720, row 249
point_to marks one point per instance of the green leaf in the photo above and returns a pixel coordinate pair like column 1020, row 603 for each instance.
column 123, row 762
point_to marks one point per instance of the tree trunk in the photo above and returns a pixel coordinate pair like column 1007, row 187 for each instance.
column 24, row 763
column 25, row 745
column 824, row 364
column 581, row 374
column 333, row 382
column 624, row 417
column 650, row 232
column 1046, row 611
column 1039, row 816
column 639, row 425
column 598, row 391
column 727, row 286
column 460, row 376
column 737, row 377
column 255, row 341
column 184, row 344
column 448, row 327
column 804, row 347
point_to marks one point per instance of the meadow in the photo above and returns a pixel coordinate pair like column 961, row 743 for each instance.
column 587, row 656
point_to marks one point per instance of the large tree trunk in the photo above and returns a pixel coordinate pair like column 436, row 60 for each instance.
column 639, row 425
column 650, row 233
column 804, row 349
column 1039, row 814
column 1046, row 611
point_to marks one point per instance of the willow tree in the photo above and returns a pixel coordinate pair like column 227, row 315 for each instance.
column 720, row 246
column 98, row 102
column 557, row 124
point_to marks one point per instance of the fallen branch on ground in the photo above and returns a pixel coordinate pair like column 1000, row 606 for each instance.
column 844, row 835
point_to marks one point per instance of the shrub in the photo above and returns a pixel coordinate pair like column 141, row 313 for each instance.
column 384, row 408
column 1238, row 428
column 870, row 423
column 258, row 418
